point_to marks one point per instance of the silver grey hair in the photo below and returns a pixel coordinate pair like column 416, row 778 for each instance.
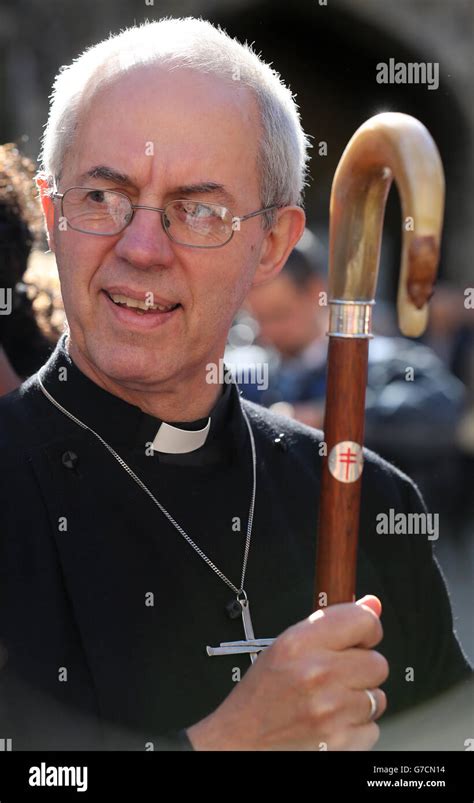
column 196, row 44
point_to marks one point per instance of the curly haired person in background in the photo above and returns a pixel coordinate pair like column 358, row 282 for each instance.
column 26, row 334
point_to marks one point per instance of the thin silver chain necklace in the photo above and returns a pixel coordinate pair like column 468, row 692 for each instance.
column 239, row 606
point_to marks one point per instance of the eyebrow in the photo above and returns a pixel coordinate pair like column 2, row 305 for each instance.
column 184, row 190
column 205, row 188
column 108, row 174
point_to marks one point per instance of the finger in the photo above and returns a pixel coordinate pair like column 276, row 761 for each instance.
column 336, row 709
column 358, row 668
column 341, row 626
column 365, row 737
column 372, row 603
column 356, row 738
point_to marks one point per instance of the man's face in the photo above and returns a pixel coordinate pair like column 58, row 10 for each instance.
column 163, row 131
column 289, row 316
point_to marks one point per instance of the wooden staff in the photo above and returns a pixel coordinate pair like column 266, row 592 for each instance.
column 388, row 146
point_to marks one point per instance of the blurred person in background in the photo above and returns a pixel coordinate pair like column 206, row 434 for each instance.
column 450, row 331
column 414, row 402
column 450, row 334
column 26, row 333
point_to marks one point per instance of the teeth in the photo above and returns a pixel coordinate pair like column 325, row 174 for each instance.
column 137, row 304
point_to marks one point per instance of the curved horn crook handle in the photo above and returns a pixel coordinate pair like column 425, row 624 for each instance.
column 388, row 146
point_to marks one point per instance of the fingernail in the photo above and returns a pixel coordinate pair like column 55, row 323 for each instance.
column 363, row 599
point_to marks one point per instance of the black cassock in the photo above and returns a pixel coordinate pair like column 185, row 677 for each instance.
column 106, row 611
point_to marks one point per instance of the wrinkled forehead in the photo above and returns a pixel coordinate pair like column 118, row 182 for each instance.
column 178, row 119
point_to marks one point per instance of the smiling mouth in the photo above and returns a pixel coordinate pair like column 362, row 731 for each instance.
column 138, row 306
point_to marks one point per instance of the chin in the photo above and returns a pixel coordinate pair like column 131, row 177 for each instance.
column 133, row 365
column 137, row 374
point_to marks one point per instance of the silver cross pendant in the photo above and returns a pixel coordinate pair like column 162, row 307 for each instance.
column 251, row 646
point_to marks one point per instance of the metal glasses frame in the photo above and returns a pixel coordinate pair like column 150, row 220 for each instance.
column 134, row 207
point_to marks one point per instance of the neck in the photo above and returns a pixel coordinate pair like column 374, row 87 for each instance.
column 186, row 398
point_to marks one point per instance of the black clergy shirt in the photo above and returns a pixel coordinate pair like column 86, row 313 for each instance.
column 105, row 609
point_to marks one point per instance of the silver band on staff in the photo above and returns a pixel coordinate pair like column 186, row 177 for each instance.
column 350, row 318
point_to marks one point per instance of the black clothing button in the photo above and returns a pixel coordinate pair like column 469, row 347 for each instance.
column 69, row 459
column 280, row 442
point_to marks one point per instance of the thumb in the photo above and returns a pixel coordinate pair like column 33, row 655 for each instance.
column 371, row 602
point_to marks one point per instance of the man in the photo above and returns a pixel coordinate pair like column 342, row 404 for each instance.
column 159, row 507
column 292, row 316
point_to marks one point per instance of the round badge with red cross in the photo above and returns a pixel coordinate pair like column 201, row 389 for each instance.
column 346, row 461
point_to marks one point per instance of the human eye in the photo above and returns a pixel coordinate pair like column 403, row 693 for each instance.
column 211, row 212
column 189, row 208
column 96, row 196
column 208, row 211
column 196, row 210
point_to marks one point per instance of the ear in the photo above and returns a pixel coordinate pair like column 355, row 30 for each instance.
column 279, row 243
column 47, row 204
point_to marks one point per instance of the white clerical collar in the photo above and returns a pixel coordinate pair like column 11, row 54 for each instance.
column 173, row 440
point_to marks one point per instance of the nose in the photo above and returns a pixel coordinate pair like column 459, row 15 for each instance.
column 144, row 243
